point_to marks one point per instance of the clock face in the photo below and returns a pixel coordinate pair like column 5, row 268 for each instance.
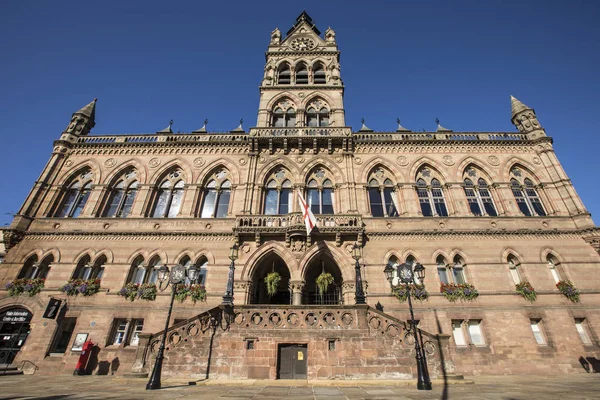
column 303, row 44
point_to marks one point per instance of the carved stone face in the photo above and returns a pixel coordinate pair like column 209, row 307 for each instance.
column 303, row 43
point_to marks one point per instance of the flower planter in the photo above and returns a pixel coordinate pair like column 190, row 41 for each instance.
column 569, row 290
column 526, row 290
column 463, row 291
column 145, row 291
column 84, row 287
column 30, row 287
column 418, row 292
column 196, row 292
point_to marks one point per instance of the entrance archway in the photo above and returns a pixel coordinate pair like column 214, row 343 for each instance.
column 14, row 329
column 333, row 295
column 259, row 295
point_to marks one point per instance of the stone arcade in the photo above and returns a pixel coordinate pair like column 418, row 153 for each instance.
column 485, row 213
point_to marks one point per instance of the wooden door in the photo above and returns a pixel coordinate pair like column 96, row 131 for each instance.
column 292, row 361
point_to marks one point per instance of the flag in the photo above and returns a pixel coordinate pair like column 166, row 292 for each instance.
column 309, row 219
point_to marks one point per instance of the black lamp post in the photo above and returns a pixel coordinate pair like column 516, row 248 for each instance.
column 174, row 277
column 359, row 294
column 228, row 296
column 407, row 276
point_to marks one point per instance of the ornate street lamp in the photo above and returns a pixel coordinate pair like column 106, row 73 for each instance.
column 174, row 277
column 359, row 294
column 228, row 296
column 407, row 276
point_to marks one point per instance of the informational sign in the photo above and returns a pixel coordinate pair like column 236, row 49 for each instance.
column 16, row 315
column 52, row 308
column 300, row 356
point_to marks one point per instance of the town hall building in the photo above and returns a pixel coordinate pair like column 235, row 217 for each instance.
column 511, row 254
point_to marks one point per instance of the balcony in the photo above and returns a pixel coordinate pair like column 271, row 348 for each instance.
column 303, row 131
column 281, row 224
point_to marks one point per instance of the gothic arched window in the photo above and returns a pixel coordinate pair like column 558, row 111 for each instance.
column 526, row 194
column 458, row 270
column 278, row 193
column 75, row 197
column 169, row 196
column 318, row 118
column 301, row 74
column 33, row 269
column 319, row 74
column 382, row 197
column 431, row 195
column 478, row 195
column 217, row 193
column 513, row 268
column 555, row 268
column 442, row 269
column 85, row 269
column 122, row 196
column 319, row 193
column 141, row 273
column 284, row 75
column 282, row 117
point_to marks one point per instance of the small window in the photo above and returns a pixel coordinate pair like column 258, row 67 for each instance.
column 126, row 332
column 442, row 270
column 301, row 75
column 514, row 269
column 475, row 333
column 331, row 344
column 63, row 335
column 457, row 332
column 319, row 74
column 138, row 326
column 120, row 331
column 536, row 328
column 250, row 345
column 284, row 77
column 583, row 330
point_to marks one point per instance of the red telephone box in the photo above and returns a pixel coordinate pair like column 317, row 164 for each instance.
column 83, row 358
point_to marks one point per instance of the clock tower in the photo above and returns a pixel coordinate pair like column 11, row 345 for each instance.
column 302, row 86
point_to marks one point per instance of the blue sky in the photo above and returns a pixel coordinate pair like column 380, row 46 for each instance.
column 151, row 61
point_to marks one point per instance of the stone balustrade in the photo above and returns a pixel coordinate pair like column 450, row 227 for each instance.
column 303, row 131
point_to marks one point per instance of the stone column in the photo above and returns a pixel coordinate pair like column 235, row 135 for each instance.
column 348, row 291
column 297, row 287
column 141, row 201
column 411, row 201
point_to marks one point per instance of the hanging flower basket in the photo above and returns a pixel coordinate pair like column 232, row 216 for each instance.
column 181, row 292
column 85, row 287
column 272, row 281
column 25, row 286
column 569, row 290
column 526, row 290
column 418, row 292
column 323, row 281
column 198, row 293
column 463, row 291
column 145, row 291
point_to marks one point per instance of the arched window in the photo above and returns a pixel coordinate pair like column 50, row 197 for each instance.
column 382, row 196
column 301, row 75
column 319, row 193
column 526, row 194
column 431, row 195
column 319, row 74
column 75, row 197
column 202, row 264
column 85, row 270
column 141, row 273
column 555, row 268
column 33, row 269
column 412, row 261
column 478, row 196
column 283, row 119
column 284, row 75
column 393, row 262
column 278, row 193
column 169, row 196
column 458, row 270
column 216, row 195
column 316, row 118
column 122, row 196
column 513, row 268
column 442, row 269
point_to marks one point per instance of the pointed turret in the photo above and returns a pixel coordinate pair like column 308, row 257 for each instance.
column 524, row 118
column 203, row 129
column 239, row 129
column 440, row 128
column 168, row 129
column 364, row 128
column 400, row 127
column 83, row 120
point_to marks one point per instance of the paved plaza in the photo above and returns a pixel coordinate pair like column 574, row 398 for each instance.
column 488, row 387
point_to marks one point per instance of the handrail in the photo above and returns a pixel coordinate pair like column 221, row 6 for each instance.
column 35, row 367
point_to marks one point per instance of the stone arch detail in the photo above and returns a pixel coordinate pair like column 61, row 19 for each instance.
column 55, row 252
column 438, row 253
column 259, row 254
column 510, row 250
column 385, row 164
column 316, row 94
column 293, row 98
column 37, row 252
column 338, row 176
column 426, row 161
column 118, row 171
column 487, row 172
column 73, row 171
column 136, row 254
column 284, row 162
column 106, row 252
column 160, row 253
column 224, row 163
column 549, row 251
column 535, row 173
column 388, row 255
column 344, row 262
column 461, row 253
column 169, row 165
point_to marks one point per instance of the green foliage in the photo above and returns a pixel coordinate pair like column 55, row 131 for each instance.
column 418, row 292
column 527, row 291
column 29, row 286
column 145, row 291
column 196, row 292
column 569, row 290
column 323, row 281
column 272, row 281
column 463, row 291
column 85, row 287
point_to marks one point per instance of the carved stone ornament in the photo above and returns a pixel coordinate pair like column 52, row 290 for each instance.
column 111, row 162
column 298, row 245
column 357, row 160
column 246, row 248
column 243, row 161
column 262, row 160
column 448, row 160
column 493, row 160
column 199, row 162
column 339, row 159
column 68, row 163
column 300, row 159
column 302, row 44
column 536, row 160
column 154, row 162
column 402, row 160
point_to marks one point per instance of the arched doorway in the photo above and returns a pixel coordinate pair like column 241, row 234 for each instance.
column 14, row 329
column 333, row 295
column 270, row 263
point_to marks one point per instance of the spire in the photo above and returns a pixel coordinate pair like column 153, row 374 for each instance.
column 516, row 106
column 304, row 18
column 400, row 127
column 203, row 129
column 168, row 128
column 364, row 128
column 440, row 128
column 524, row 118
column 239, row 129
column 83, row 121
